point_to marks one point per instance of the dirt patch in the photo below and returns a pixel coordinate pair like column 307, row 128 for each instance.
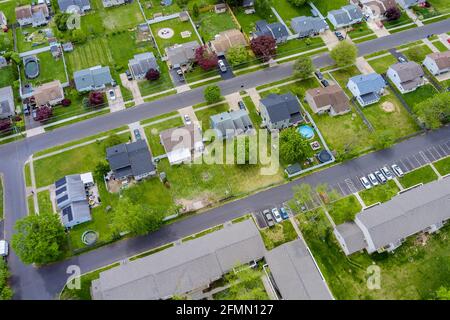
column 422, row 239
column 388, row 107
column 189, row 205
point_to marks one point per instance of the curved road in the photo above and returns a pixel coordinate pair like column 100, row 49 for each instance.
column 46, row 282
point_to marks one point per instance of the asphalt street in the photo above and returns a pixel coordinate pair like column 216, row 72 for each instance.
column 45, row 283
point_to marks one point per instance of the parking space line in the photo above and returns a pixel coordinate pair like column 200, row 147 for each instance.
column 433, row 152
column 423, row 155
column 405, row 168
column 431, row 155
column 343, row 191
column 421, row 160
column 437, row 152
column 446, row 148
column 411, row 161
column 439, row 147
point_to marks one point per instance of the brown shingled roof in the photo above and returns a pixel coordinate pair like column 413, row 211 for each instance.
column 442, row 59
column 332, row 95
column 23, row 12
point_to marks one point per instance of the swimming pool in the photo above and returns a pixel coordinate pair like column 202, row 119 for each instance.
column 306, row 131
column 31, row 67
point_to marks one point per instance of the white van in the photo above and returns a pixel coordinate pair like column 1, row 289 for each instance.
column 3, row 248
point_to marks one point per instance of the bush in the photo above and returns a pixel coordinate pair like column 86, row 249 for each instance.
column 212, row 94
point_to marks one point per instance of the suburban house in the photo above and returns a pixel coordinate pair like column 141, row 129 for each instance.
column 367, row 88
column 230, row 124
column 182, row 143
column 345, row 16
column 67, row 47
column 55, row 50
column 405, row 4
column 248, row 3
column 131, row 160
column 181, row 55
column 6, row 102
column 95, row 78
column 182, row 269
column 74, row 6
column 71, row 199
column 184, row 16
column 227, row 39
column 438, row 62
column 295, row 274
column 384, row 227
column 308, row 26
column 141, row 64
column 276, row 30
column 280, row 111
column 3, row 21
column 36, row 15
column 220, row 8
column 112, row 3
column 375, row 9
column 50, row 94
column 331, row 99
column 406, row 76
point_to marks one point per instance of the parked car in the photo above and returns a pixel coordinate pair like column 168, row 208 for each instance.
column 128, row 74
column 401, row 59
column 3, row 248
column 180, row 74
column 380, row 177
column 187, row 120
column 319, row 75
column 365, row 182
column 387, row 173
column 241, row 105
column 339, row 35
column 397, row 170
column 222, row 66
column 112, row 95
column 269, row 218
column 137, row 134
column 283, row 213
column 276, row 215
column 373, row 179
column 325, row 83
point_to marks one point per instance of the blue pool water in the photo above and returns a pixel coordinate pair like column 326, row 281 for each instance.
column 306, row 131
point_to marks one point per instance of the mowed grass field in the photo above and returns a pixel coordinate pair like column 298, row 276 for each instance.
column 94, row 52
column 212, row 24
column 177, row 26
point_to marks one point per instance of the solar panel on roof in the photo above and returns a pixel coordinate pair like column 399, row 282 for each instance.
column 61, row 190
column 60, row 182
column 67, row 211
column 62, row 199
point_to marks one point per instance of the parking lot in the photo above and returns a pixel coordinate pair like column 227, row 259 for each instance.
column 262, row 221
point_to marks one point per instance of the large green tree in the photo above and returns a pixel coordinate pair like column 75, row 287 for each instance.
column 237, row 55
column 245, row 285
column 293, row 147
column 299, row 3
column 5, row 291
column 263, row 8
column 212, row 94
column 303, row 68
column 434, row 111
column 39, row 238
column 383, row 139
column 344, row 53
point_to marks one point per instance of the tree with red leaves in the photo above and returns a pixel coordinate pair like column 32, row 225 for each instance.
column 206, row 59
column 152, row 75
column 264, row 47
column 44, row 113
column 5, row 124
column 66, row 102
column 96, row 98
column 393, row 13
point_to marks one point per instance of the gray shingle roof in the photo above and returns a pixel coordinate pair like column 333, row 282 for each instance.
column 143, row 62
column 352, row 236
column 93, row 77
column 276, row 29
column 408, row 71
column 183, row 267
column 340, row 16
column 237, row 121
column 182, row 54
column 368, row 83
column 281, row 107
column 353, row 11
column 296, row 275
column 306, row 26
column 65, row 4
column 6, row 102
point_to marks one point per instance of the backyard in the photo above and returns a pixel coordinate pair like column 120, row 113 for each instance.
column 278, row 234
column 212, row 24
column 49, row 70
column 344, row 209
column 178, row 27
column 420, row 94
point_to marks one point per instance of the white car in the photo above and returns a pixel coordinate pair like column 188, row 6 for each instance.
column 187, row 120
column 373, row 179
column 3, row 248
column 380, row 177
column 222, row 66
column 112, row 95
column 397, row 170
column 365, row 182
column 387, row 173
column 276, row 214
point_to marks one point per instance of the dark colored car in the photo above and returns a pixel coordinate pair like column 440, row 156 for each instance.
column 137, row 134
column 319, row 75
column 128, row 74
column 241, row 105
column 325, row 83
column 284, row 213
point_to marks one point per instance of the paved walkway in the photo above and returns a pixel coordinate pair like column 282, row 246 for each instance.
column 413, row 17
column 431, row 45
column 363, row 66
column 133, row 87
column 35, row 131
column 329, row 39
column 254, row 95
column 444, row 37
column 183, row 88
column 379, row 31
column 33, row 188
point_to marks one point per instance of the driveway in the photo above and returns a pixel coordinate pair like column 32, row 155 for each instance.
column 189, row 111
column 397, row 54
column 116, row 104
column 133, row 87
column 329, row 38
column 233, row 100
column 377, row 28
column 229, row 73
column 176, row 79
column 363, row 66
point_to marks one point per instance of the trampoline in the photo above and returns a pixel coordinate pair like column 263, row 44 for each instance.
column 31, row 66
column 324, row 156
column 306, row 131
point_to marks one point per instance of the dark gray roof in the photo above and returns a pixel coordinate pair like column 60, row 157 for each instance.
column 282, row 107
column 6, row 102
column 143, row 62
column 353, row 11
column 65, row 4
column 295, row 273
column 182, row 54
column 306, row 26
column 352, row 236
column 407, row 71
column 277, row 30
column 182, row 268
column 92, row 77
column 340, row 16
column 130, row 159
column 237, row 121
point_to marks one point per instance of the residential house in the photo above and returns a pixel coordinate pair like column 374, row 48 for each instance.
column 36, row 15
column 50, row 94
column 230, row 124
column 71, row 200
column 295, row 273
column 280, row 111
column 226, row 40
column 95, row 78
column 184, row 16
column 131, row 160
column 55, row 50
column 181, row 55
column 178, row 270
column 276, row 30
column 141, row 64
column 367, row 88
column 308, row 26
column 113, row 3
column 405, row 4
column 220, row 8
column 375, row 9
column 182, row 143
column 438, row 62
column 3, row 62
column 248, row 3
column 166, row 2
column 331, row 99
column 3, row 21
column 67, row 47
column 386, row 226
column 345, row 16
column 74, row 6
column 406, row 76
column 7, row 107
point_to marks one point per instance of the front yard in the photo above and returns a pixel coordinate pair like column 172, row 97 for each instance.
column 421, row 175
column 278, row 234
column 381, row 193
column 382, row 64
column 443, row 166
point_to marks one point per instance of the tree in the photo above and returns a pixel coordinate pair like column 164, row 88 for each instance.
column 303, row 194
column 237, row 55
column 293, row 147
column 61, row 21
column 434, row 111
column 39, row 238
column 206, row 59
column 212, row 94
column 96, row 98
column 297, row 3
column 78, row 36
column 5, row 291
column 303, row 68
column 101, row 169
column 393, row 13
column 195, row 10
column 383, row 139
column 152, row 75
column 66, row 102
column 344, row 53
column 443, row 293
column 138, row 219
column 264, row 47
column 44, row 113
column 263, row 8
column 234, row 3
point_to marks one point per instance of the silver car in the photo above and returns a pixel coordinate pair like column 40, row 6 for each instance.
column 398, row 171
column 365, row 182
column 222, row 66
column 373, row 179
column 387, row 173
column 380, row 177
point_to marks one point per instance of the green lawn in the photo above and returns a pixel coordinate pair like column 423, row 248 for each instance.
column 94, row 52
column 277, row 235
column 212, row 24
column 413, row 271
column 251, row 108
column 325, row 6
column 7, row 76
column 204, row 115
column 24, row 41
column 152, row 134
column 404, row 19
column 27, row 174
column 44, row 202
column 247, row 21
column 299, row 45
column 344, row 209
column 359, row 30
column 30, row 201
column 421, row 175
column 154, row 6
column 177, row 26
column 443, row 166
column 421, row 94
column 49, row 70
column 162, row 84
column 417, row 53
column 440, row 46
column 381, row 65
column 440, row 5
column 244, row 287
column 381, row 193
column 287, row 11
